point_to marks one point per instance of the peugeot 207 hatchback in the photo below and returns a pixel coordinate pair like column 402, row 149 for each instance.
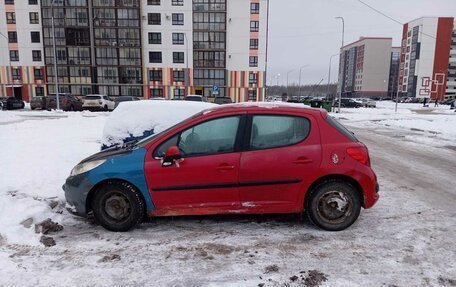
column 259, row 158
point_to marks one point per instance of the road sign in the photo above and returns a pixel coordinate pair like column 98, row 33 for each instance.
column 215, row 90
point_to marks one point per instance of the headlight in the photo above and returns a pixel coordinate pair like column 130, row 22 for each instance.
column 84, row 167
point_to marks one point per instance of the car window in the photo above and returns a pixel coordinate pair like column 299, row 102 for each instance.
column 211, row 137
column 277, row 131
column 92, row 97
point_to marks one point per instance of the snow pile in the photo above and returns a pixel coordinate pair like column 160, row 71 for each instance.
column 6, row 117
column 39, row 153
column 134, row 118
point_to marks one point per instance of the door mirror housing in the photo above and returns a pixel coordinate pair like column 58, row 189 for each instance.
column 171, row 156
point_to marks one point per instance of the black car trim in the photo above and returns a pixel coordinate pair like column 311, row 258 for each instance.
column 224, row 185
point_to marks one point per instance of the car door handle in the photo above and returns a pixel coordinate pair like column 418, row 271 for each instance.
column 224, row 167
column 303, row 160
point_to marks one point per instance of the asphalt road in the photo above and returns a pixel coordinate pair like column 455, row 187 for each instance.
column 428, row 171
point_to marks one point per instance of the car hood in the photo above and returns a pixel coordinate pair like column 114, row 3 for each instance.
column 108, row 153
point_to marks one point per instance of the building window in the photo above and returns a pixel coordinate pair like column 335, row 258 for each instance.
column 36, row 55
column 178, row 57
column 179, row 76
column 38, row 73
column 14, row 55
column 33, row 2
column 34, row 18
column 178, row 38
column 155, row 38
column 155, row 57
column 254, row 44
column 179, row 94
column 12, row 37
column 9, row 2
column 253, row 61
column 153, row 2
column 39, row 92
column 16, row 73
column 254, row 26
column 253, row 78
column 178, row 19
column 156, row 93
column 252, row 95
column 154, row 18
column 209, row 59
column 177, row 2
column 255, row 8
column 35, row 37
column 155, row 75
column 10, row 18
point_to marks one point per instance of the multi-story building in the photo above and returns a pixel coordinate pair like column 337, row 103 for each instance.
column 365, row 66
column 146, row 48
column 22, row 69
column 393, row 83
column 428, row 58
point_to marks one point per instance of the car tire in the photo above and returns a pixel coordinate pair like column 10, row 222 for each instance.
column 71, row 109
column 322, row 205
column 105, row 108
column 118, row 206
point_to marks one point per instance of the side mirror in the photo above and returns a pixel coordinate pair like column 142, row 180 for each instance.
column 171, row 156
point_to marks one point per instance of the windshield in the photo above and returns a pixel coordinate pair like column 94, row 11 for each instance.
column 194, row 99
column 92, row 97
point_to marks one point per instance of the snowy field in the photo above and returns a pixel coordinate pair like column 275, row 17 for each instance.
column 405, row 240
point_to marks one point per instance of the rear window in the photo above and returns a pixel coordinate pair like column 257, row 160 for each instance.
column 272, row 131
column 343, row 130
column 92, row 97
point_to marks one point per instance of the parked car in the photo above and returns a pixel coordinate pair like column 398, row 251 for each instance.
column 243, row 159
column 38, row 103
column 120, row 99
column 447, row 102
column 11, row 103
column 195, row 98
column 348, row 103
column 368, row 103
column 223, row 100
column 98, row 103
column 68, row 102
column 453, row 104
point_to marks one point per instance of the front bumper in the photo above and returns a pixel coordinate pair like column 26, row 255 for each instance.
column 76, row 190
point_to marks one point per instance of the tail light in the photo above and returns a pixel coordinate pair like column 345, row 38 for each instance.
column 360, row 154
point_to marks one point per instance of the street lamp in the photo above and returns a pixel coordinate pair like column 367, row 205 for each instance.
column 288, row 83
column 329, row 75
column 11, row 67
column 343, row 36
column 300, row 72
column 56, row 78
column 187, row 73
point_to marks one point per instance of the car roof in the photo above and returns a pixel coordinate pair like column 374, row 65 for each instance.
column 268, row 106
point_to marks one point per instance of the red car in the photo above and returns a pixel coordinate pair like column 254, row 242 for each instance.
column 242, row 159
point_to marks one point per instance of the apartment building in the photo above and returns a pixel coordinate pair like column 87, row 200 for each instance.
column 393, row 83
column 365, row 68
column 22, row 68
column 428, row 58
column 145, row 48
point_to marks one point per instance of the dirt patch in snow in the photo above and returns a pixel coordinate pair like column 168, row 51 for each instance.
column 48, row 226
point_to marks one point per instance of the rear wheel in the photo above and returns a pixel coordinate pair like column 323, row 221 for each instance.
column 105, row 108
column 333, row 205
column 118, row 206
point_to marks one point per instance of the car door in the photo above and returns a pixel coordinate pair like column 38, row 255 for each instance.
column 205, row 180
column 282, row 152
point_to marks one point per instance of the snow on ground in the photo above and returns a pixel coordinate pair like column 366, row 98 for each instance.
column 438, row 122
column 402, row 241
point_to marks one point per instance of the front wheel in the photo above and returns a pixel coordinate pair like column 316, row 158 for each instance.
column 333, row 205
column 118, row 206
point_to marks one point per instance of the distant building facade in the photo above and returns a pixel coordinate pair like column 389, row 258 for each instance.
column 393, row 84
column 365, row 68
column 145, row 48
column 428, row 58
column 22, row 68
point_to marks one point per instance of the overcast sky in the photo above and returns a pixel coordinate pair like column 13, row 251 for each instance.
column 304, row 32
